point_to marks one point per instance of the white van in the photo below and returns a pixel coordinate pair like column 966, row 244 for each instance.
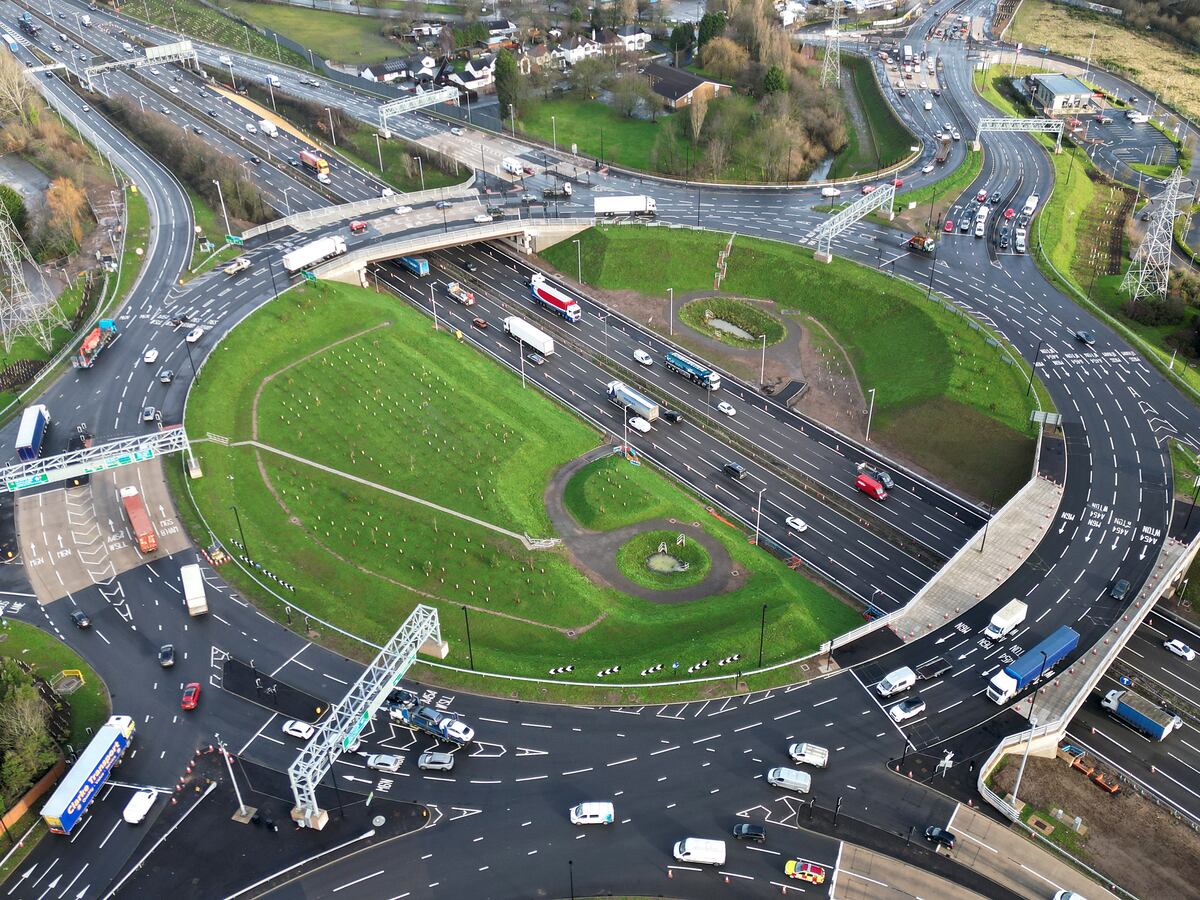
column 790, row 779
column 128, row 47
column 901, row 679
column 273, row 80
column 699, row 850
column 830, row 192
column 511, row 165
column 139, row 806
column 225, row 60
column 1031, row 203
column 598, row 813
column 251, row 128
column 980, row 227
column 1019, row 240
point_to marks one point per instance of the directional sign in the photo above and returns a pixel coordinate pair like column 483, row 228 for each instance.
column 349, row 737
column 234, row 239
column 309, row 276
column 31, row 481
column 73, row 471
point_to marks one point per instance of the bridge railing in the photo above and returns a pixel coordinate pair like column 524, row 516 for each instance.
column 310, row 218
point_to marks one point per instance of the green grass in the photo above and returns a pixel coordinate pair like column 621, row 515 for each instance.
column 887, row 141
column 337, row 36
column 595, row 127
column 49, row 656
column 363, row 151
column 1154, row 170
column 1185, row 462
column 194, row 19
column 736, row 312
column 212, row 226
column 632, row 556
column 609, row 494
column 925, row 362
column 418, row 412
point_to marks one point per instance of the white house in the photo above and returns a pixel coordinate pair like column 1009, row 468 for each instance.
column 790, row 12
column 575, row 48
column 633, row 37
column 500, row 28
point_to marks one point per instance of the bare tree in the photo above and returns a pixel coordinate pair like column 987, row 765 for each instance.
column 696, row 113
column 15, row 89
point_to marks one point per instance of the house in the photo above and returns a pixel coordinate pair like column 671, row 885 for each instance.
column 633, row 37
column 387, row 71
column 1059, row 94
column 575, row 48
column 425, row 29
column 608, row 41
column 678, row 87
column 790, row 12
column 536, row 57
column 500, row 28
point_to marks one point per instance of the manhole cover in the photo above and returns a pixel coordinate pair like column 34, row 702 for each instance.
column 379, row 821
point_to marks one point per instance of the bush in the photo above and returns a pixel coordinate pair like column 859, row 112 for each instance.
column 744, row 315
column 27, row 748
column 1155, row 312
column 14, row 205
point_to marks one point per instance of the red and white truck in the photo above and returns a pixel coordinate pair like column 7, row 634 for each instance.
column 139, row 521
column 553, row 299
column 460, row 294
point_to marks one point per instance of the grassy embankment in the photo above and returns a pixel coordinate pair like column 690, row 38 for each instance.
column 886, row 140
column 944, row 396
column 336, row 36
column 196, row 20
column 416, row 411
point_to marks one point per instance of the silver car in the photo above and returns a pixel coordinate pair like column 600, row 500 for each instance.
column 432, row 760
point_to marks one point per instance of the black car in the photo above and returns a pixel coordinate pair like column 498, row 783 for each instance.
column 166, row 655
column 402, row 698
column 80, row 619
column 212, row 113
column 748, row 831
column 939, row 837
column 470, row 266
column 995, row 196
column 1119, row 589
column 496, row 212
column 672, row 416
column 1004, row 242
column 443, row 204
column 884, row 478
column 255, row 160
column 1085, row 337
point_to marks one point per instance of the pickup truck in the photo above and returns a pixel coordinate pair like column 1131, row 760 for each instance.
column 238, row 265
column 809, row 754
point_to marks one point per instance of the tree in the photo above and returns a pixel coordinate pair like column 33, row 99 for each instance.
column 775, row 81
column 627, row 94
column 711, row 25
column 696, row 113
column 576, row 15
column 66, row 202
column 681, row 38
column 628, row 11
column 446, row 41
column 724, row 58
column 14, row 205
column 590, row 74
column 508, row 81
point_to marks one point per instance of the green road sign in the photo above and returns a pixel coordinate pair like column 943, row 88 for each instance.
column 309, row 276
column 30, row 481
column 234, row 239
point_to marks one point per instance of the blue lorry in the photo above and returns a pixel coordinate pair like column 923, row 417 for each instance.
column 419, row 266
column 83, row 782
column 1140, row 714
column 31, row 432
column 1032, row 664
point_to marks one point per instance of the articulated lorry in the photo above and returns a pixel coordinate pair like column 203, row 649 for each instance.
column 315, row 162
column 527, row 334
column 1140, row 714
column 623, row 395
column 314, row 252
column 418, row 265
column 637, row 205
column 1005, row 620
column 139, row 521
column 32, row 431
column 193, row 589
column 561, row 191
column 1032, row 665
column 553, row 299
column 93, row 345
column 86, row 778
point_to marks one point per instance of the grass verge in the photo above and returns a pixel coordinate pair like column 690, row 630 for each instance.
column 634, row 555
column 945, row 396
column 194, row 19
column 934, row 199
column 337, row 36
column 596, row 128
column 212, row 226
column 739, row 313
column 474, row 442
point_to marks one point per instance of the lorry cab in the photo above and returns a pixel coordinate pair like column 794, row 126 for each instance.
column 870, row 487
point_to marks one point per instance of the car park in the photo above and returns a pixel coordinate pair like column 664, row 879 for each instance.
column 726, row 408
column 1179, row 648
column 643, row 357
column 796, row 524
column 191, row 696
column 435, row 761
column 939, row 837
column 297, row 729
column 908, row 708
column 80, row 619
column 151, row 357
column 383, row 762
column 804, row 871
column 750, row 831
column 166, row 655
column 637, row 423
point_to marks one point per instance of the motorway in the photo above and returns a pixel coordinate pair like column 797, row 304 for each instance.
column 671, row 770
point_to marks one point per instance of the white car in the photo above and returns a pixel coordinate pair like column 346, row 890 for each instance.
column 148, row 414
column 925, row 170
column 194, row 335
column 460, row 732
column 298, row 729
column 643, row 357
column 796, row 524
column 174, row 90
column 456, row 131
column 386, row 192
column 138, row 806
column 726, row 408
column 401, row 210
column 383, row 762
column 483, row 219
column 1179, row 648
column 908, row 708
column 151, row 357
column 323, row 178
column 637, row 423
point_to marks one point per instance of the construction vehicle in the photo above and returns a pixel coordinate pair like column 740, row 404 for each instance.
column 93, row 345
column 139, row 521
column 919, row 243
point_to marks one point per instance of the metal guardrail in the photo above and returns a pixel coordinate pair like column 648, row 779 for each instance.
column 312, row 217
column 436, row 240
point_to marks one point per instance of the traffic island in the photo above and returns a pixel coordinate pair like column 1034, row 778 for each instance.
column 249, row 683
column 194, row 851
column 665, row 560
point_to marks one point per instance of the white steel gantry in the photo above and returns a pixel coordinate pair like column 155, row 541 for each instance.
column 822, row 236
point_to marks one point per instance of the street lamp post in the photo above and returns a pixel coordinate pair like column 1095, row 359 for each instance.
column 758, row 517
column 1192, row 508
column 232, row 77
column 271, row 91
column 670, row 311
column 421, row 168
column 870, row 412
column 571, row 873
column 554, row 133
column 332, row 133
column 470, row 652
column 762, row 370
column 287, row 203
column 1033, row 366
column 762, row 634
column 379, row 151
column 433, row 303
column 238, row 519
column 578, row 260
column 224, row 212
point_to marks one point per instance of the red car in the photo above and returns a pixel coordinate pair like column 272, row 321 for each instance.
column 1009, row 213
column 191, row 696
column 869, row 188
column 981, row 197
column 949, row 225
column 898, row 182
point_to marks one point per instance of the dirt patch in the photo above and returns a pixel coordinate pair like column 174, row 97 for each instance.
column 1117, row 827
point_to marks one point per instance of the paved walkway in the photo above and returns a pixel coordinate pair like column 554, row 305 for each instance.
column 595, row 552
column 983, row 565
column 1007, row 857
column 866, row 875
